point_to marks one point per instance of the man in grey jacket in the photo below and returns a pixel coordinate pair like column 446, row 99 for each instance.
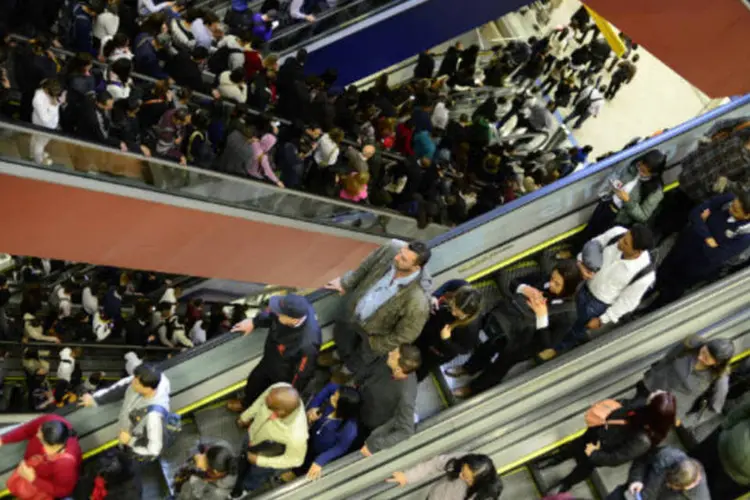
column 141, row 422
column 389, row 395
column 386, row 304
column 667, row 474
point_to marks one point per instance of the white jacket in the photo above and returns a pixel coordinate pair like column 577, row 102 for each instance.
column 132, row 361
column 118, row 89
column 46, row 110
column 90, row 301
column 67, row 364
column 198, row 333
column 230, row 90
column 105, row 26
column 102, row 329
column 35, row 332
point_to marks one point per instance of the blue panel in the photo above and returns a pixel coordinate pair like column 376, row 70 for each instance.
column 404, row 35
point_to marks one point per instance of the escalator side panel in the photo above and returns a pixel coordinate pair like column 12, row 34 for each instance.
column 368, row 46
column 138, row 229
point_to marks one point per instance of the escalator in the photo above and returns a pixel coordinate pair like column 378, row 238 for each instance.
column 475, row 250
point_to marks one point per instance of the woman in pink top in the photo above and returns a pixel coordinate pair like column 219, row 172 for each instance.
column 259, row 166
column 354, row 187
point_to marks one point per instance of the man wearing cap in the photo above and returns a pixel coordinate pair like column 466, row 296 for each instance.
column 291, row 348
column 618, row 271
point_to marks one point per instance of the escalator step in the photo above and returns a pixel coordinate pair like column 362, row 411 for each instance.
column 176, row 455
column 520, row 484
column 219, row 423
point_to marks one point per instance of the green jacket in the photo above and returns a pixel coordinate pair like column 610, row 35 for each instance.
column 401, row 318
column 636, row 209
column 734, row 443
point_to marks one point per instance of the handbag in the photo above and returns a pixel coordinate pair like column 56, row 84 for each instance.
column 24, row 489
column 597, row 415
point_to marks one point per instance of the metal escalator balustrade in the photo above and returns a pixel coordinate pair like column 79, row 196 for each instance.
column 496, row 412
column 74, row 157
column 190, row 386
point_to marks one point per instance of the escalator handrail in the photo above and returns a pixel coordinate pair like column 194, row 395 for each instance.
column 591, row 356
column 25, row 128
column 630, row 153
column 91, row 345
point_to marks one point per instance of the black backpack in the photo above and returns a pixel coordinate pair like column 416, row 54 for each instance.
column 219, row 60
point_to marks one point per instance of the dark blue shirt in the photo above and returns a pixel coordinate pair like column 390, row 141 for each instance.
column 330, row 438
column 727, row 231
column 146, row 58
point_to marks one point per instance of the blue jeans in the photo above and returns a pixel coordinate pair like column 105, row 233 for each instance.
column 249, row 476
column 588, row 307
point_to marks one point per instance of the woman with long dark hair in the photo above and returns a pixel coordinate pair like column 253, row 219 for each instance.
column 453, row 326
column 538, row 310
column 628, row 433
column 468, row 477
column 333, row 416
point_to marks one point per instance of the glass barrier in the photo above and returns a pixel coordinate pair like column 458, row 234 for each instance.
column 74, row 156
column 345, row 14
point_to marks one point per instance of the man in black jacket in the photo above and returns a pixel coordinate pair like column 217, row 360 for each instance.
column 95, row 123
column 425, row 66
column 389, row 396
column 126, row 126
column 291, row 349
column 185, row 69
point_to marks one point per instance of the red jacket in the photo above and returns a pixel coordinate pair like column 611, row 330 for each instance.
column 57, row 477
column 253, row 64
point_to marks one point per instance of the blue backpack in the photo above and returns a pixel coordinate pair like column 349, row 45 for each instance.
column 171, row 424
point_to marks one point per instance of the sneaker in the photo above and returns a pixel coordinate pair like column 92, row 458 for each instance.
column 455, row 371
column 238, row 495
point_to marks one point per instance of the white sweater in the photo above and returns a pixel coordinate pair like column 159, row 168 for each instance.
column 105, row 26
column 230, row 90
column 46, row 110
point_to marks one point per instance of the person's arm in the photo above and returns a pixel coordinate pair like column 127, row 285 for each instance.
column 632, row 448
column 739, row 414
column 407, row 329
column 719, row 391
column 608, row 235
column 304, row 368
column 36, row 334
column 400, row 427
column 714, row 204
column 628, row 299
column 254, row 408
column 148, row 7
column 295, row 10
column 642, row 212
column 182, row 339
column 265, row 165
column 112, row 393
column 344, row 439
column 154, row 436
column 64, row 478
column 433, row 467
column 25, row 431
column 323, row 396
column 293, row 456
column 163, row 336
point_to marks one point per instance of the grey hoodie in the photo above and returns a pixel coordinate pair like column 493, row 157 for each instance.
column 147, row 434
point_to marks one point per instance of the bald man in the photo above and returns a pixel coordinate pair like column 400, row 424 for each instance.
column 277, row 416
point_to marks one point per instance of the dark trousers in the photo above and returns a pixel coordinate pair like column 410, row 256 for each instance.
column 601, row 221
column 614, row 87
column 492, row 371
column 576, row 450
column 588, row 307
column 352, row 346
column 260, row 379
column 250, row 477
column 722, row 486
column 680, row 270
column 432, row 358
column 581, row 114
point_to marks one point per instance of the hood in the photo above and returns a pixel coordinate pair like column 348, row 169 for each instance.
column 66, row 354
column 224, row 79
column 132, row 357
column 169, row 296
column 267, row 142
column 28, row 317
column 132, row 361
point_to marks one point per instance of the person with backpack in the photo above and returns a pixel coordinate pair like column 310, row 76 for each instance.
column 632, row 194
column 81, row 38
column 538, row 310
column 718, row 232
column 626, row 271
column 52, row 460
column 230, row 53
column 589, row 103
column 144, row 420
column 198, row 149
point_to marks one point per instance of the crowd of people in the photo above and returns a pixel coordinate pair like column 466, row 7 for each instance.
column 213, row 89
column 393, row 329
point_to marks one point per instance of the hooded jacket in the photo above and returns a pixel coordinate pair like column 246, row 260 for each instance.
column 291, row 431
column 236, row 92
column 260, row 164
column 132, row 361
column 290, row 352
column 147, row 434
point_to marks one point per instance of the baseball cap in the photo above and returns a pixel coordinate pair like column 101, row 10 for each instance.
column 721, row 350
column 591, row 255
column 292, row 305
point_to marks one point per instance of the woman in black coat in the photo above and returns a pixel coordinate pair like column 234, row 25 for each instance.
column 538, row 311
column 630, row 433
column 453, row 326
